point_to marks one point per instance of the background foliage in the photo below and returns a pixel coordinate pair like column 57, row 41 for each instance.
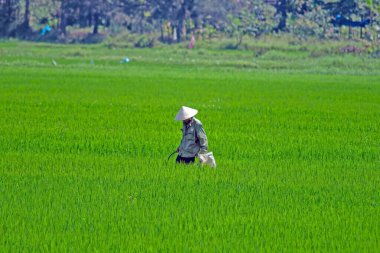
column 175, row 20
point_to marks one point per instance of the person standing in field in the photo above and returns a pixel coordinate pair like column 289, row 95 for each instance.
column 194, row 139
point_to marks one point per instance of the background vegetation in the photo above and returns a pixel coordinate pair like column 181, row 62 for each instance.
column 177, row 20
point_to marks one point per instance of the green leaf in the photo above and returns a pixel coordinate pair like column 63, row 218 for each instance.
column 370, row 2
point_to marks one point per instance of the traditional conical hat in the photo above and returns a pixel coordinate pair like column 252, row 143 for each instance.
column 185, row 113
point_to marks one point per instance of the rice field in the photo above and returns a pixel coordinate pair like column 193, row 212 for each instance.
column 84, row 145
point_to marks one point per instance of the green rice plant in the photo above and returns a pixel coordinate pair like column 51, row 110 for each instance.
column 84, row 147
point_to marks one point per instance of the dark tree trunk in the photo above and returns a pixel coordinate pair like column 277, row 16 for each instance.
column 282, row 24
column 25, row 24
column 6, row 18
column 82, row 19
column 282, row 10
column 187, row 6
column 89, row 18
column 181, row 21
column 9, row 24
column 62, row 21
column 96, row 23
column 179, row 30
column 196, row 19
column 10, row 13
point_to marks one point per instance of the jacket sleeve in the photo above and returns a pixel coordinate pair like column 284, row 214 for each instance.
column 201, row 134
column 179, row 146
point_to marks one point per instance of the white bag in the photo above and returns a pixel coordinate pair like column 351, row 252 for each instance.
column 207, row 159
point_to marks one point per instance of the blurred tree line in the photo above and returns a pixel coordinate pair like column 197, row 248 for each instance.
column 174, row 20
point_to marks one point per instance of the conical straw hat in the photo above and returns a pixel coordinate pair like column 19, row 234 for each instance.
column 185, row 113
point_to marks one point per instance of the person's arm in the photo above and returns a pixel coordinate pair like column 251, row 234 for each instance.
column 201, row 134
column 179, row 146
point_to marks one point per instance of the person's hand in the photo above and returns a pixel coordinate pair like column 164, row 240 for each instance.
column 202, row 158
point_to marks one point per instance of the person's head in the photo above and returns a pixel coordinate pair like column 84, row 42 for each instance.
column 187, row 121
column 185, row 114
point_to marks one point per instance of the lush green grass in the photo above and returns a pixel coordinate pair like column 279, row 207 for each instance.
column 83, row 151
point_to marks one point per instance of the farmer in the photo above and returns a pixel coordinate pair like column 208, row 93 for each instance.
column 194, row 139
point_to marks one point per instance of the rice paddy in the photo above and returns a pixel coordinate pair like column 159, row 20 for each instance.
column 84, row 145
